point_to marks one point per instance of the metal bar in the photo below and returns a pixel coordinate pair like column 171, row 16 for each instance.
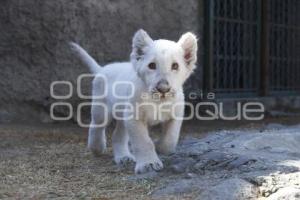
column 237, row 57
column 279, row 63
column 285, row 26
column 280, row 50
column 245, row 46
column 294, row 62
column 231, row 61
column 264, row 49
column 231, row 65
column 235, row 20
column 217, row 66
column 216, row 70
column 251, row 46
column 239, row 43
column 258, row 44
column 289, row 45
column 208, row 43
column 278, row 53
column 225, row 67
column 286, row 46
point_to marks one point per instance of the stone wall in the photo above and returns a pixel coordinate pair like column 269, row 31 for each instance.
column 34, row 51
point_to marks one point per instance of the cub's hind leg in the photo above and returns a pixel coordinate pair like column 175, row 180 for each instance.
column 101, row 118
column 120, row 142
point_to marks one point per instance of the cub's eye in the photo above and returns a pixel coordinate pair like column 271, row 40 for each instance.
column 175, row 66
column 152, row 66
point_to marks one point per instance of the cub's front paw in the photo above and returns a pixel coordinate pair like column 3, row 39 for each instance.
column 124, row 160
column 97, row 149
column 144, row 167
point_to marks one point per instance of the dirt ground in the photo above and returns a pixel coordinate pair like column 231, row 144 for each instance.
column 51, row 161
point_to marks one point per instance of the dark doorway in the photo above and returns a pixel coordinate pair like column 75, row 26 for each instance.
column 252, row 47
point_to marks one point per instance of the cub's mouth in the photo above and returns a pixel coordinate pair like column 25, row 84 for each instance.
column 156, row 95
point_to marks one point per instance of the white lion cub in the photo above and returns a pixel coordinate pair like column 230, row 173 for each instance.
column 141, row 93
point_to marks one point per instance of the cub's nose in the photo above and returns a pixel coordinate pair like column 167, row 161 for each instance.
column 163, row 86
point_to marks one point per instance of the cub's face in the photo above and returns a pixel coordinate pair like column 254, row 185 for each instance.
column 164, row 65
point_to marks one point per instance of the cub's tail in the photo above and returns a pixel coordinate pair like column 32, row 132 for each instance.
column 86, row 58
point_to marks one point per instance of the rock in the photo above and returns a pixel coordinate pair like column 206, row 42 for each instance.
column 5, row 117
column 182, row 165
column 278, row 142
column 179, row 187
column 193, row 148
column 257, row 170
column 274, row 126
column 190, row 175
column 213, row 160
column 287, row 193
column 230, row 189
column 240, row 161
column 148, row 175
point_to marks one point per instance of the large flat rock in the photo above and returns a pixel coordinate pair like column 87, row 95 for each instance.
column 234, row 165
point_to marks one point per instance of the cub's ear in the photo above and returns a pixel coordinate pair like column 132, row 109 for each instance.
column 188, row 42
column 141, row 40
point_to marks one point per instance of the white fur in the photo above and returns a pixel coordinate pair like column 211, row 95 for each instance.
column 146, row 81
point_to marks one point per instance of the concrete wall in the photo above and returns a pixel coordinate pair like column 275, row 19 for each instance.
column 34, row 34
